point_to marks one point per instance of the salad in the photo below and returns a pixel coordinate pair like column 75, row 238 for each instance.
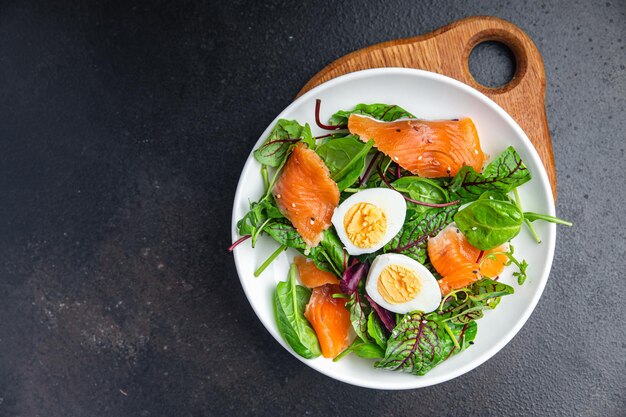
column 403, row 227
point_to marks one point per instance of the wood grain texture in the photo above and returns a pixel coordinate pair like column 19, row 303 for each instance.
column 446, row 51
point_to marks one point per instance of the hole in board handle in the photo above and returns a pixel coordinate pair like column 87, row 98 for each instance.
column 492, row 64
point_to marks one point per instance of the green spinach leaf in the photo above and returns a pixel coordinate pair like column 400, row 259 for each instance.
column 487, row 223
column 375, row 330
column 384, row 112
column 503, row 174
column 362, row 349
column 345, row 159
column 420, row 189
column 290, row 301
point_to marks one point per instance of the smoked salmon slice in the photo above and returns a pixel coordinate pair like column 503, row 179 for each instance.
column 431, row 149
column 306, row 194
column 310, row 275
column 459, row 263
column 330, row 319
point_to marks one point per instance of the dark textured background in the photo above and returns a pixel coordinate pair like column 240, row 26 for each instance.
column 123, row 129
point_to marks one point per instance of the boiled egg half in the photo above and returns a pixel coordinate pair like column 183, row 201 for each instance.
column 401, row 284
column 368, row 220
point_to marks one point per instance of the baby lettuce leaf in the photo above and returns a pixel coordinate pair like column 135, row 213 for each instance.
column 345, row 158
column 487, row 223
column 420, row 342
column 290, row 301
column 413, row 236
column 375, row 330
column 359, row 310
column 503, row 174
column 384, row 112
column 276, row 147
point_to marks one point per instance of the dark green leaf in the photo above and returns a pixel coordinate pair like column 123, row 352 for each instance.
column 503, row 174
column 368, row 350
column 276, row 147
column 290, row 301
column 375, row 330
column 487, row 224
column 413, row 237
column 338, row 153
column 385, row 112
column 420, row 189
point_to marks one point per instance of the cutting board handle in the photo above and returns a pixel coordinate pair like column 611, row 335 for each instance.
column 447, row 50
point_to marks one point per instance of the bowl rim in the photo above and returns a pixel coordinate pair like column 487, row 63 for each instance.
column 420, row 381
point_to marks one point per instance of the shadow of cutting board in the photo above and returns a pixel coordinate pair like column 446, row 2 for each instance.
column 447, row 50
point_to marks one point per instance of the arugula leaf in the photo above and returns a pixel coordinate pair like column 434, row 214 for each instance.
column 345, row 159
column 375, row 330
column 290, row 301
column 413, row 237
column 277, row 145
column 488, row 223
column 503, row 174
column 384, row 112
column 420, row 342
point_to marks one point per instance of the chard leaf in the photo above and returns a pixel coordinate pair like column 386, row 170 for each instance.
column 384, row 112
column 282, row 231
column 290, row 301
column 353, row 276
column 486, row 289
column 258, row 214
column 420, row 342
column 358, row 309
column 503, row 174
column 277, row 145
column 413, row 237
column 385, row 316
column 375, row 330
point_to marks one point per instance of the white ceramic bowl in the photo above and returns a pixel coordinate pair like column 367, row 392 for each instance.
column 429, row 96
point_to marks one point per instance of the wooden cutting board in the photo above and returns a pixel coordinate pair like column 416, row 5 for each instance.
column 447, row 50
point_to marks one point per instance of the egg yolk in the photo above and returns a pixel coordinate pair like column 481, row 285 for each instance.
column 398, row 284
column 365, row 224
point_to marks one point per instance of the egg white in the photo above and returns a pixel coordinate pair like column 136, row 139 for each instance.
column 429, row 296
column 390, row 201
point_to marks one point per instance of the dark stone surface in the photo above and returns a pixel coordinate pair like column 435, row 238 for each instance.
column 123, row 129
